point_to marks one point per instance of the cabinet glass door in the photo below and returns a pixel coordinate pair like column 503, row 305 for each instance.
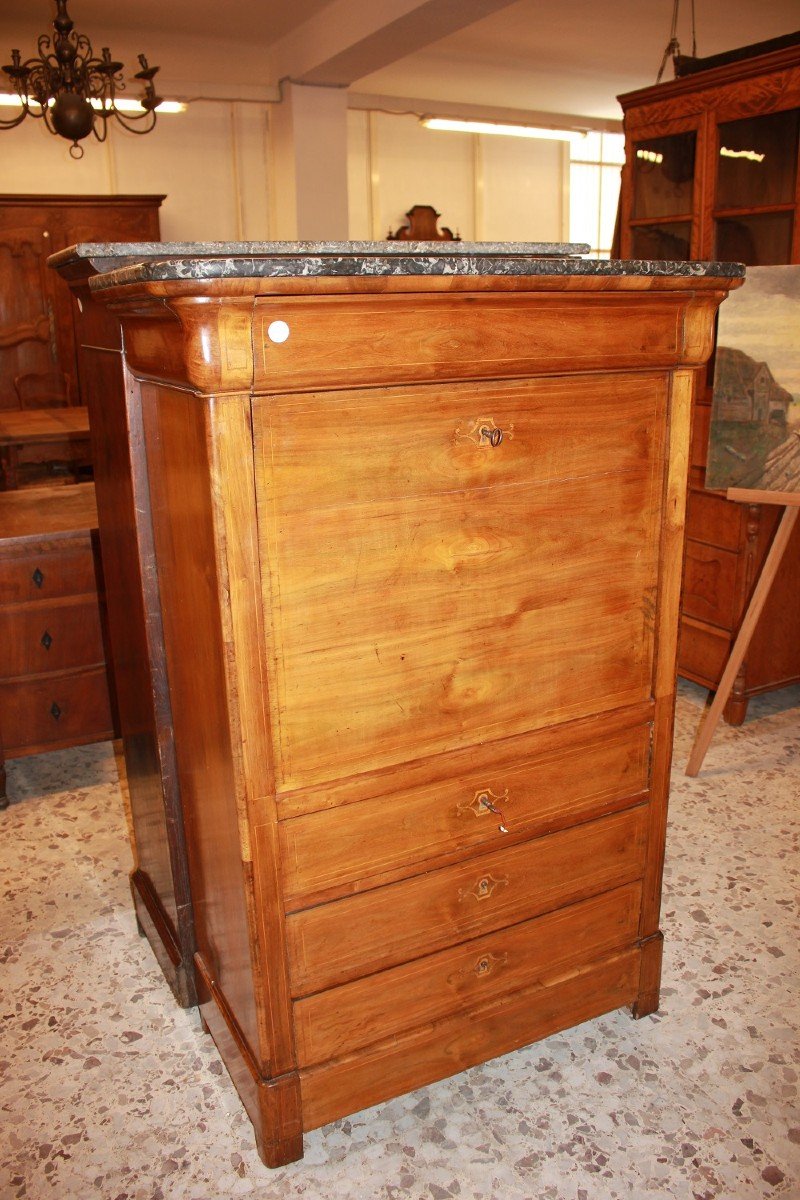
column 760, row 240
column 663, row 176
column 663, row 185
column 758, row 161
column 755, row 192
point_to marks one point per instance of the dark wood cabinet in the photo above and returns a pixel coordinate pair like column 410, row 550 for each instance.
column 53, row 686
column 37, row 328
column 711, row 172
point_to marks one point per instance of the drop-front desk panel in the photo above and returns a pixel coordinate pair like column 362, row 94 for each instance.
column 418, row 540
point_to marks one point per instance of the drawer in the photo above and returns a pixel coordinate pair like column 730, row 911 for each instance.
column 50, row 637
column 349, row 341
column 534, row 953
column 345, row 939
column 713, row 520
column 703, row 653
column 342, row 848
column 59, row 710
column 380, row 444
column 40, row 573
column 709, row 584
column 345, row 1085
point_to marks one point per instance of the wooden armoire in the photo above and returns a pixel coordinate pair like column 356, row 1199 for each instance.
column 711, row 172
column 37, row 310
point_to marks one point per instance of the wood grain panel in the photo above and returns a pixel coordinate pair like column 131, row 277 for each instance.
column 701, row 425
column 712, row 519
column 421, row 773
column 337, row 1022
column 336, row 942
column 176, row 430
column 319, row 451
column 348, row 341
column 709, row 584
column 341, row 849
column 399, row 1064
column 427, row 622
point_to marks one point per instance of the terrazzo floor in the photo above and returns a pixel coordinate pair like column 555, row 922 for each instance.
column 109, row 1090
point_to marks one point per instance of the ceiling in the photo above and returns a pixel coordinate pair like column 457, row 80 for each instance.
column 546, row 56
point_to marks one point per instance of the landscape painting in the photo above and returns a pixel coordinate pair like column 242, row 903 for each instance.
column 755, row 417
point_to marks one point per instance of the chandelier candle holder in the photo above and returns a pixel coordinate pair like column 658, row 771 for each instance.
column 76, row 93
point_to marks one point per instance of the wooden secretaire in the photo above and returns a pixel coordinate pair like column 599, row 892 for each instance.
column 418, row 528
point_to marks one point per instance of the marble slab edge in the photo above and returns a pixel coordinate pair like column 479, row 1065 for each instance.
column 106, row 256
column 300, row 265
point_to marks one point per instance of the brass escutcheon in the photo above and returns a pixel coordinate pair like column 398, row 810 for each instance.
column 483, row 889
column 484, row 800
column 484, row 432
column 487, row 963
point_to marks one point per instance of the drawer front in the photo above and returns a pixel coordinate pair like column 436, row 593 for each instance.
column 340, row 848
column 709, row 584
column 40, row 574
column 381, row 444
column 713, row 520
column 59, row 710
column 441, row 619
column 50, row 637
column 343, row 940
column 353, row 341
column 464, row 1039
column 534, row 953
column 703, row 653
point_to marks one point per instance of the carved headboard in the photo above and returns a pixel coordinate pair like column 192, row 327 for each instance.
column 422, row 227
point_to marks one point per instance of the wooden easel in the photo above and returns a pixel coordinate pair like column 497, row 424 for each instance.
column 757, row 600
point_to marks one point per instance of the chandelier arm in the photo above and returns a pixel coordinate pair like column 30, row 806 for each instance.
column 74, row 90
column 11, row 122
column 132, row 121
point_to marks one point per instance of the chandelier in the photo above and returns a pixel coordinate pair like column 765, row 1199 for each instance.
column 74, row 92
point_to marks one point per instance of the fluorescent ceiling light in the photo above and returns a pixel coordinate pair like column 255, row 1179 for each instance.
column 455, row 125
column 166, row 106
column 8, row 99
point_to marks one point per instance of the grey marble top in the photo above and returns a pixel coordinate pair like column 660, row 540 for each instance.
column 137, row 262
column 138, row 251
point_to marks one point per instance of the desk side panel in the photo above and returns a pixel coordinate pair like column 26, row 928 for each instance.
column 200, row 456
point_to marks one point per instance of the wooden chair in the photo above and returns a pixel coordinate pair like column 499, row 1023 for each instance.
column 422, row 227
column 43, row 389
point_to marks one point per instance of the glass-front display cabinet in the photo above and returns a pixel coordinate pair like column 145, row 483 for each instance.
column 711, row 172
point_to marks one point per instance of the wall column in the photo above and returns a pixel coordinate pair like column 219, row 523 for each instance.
column 309, row 155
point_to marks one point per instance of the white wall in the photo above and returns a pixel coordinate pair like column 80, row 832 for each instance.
column 486, row 188
column 213, row 163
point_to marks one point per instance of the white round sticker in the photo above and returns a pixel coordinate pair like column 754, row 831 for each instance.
column 277, row 331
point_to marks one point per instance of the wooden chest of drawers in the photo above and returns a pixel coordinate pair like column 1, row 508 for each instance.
column 419, row 545
column 53, row 685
